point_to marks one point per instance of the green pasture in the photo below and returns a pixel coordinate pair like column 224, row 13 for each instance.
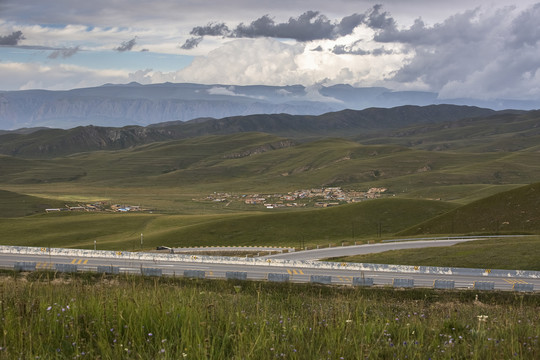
column 119, row 231
column 248, row 162
column 516, row 210
column 506, row 253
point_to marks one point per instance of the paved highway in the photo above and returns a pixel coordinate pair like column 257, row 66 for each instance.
column 257, row 272
column 317, row 254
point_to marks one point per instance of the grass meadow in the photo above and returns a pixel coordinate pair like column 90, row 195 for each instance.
column 115, row 231
column 505, row 253
column 85, row 316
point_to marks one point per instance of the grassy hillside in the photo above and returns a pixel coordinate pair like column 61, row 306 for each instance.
column 48, row 143
column 516, row 210
column 506, row 132
column 256, row 162
column 15, row 205
column 462, row 160
column 508, row 253
column 122, row 231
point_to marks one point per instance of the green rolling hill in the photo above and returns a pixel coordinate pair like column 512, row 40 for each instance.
column 463, row 161
column 513, row 211
column 17, row 205
column 353, row 222
column 47, row 143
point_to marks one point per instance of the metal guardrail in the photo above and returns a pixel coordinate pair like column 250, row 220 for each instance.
column 271, row 263
column 135, row 256
column 279, row 277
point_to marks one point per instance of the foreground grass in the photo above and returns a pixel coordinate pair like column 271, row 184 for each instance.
column 507, row 253
column 86, row 316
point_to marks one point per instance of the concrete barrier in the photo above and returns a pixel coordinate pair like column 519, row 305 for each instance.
column 523, row 287
column 138, row 256
column 443, row 284
column 66, row 268
column 108, row 269
column 195, row 274
column 25, row 266
column 403, row 283
column 484, row 285
column 320, row 279
column 278, row 277
column 151, row 271
column 236, row 275
column 362, row 281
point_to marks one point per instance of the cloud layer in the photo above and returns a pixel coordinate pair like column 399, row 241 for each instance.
column 482, row 52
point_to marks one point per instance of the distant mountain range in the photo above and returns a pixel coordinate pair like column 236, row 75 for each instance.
column 136, row 104
column 352, row 124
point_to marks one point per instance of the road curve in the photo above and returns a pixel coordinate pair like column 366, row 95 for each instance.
column 318, row 254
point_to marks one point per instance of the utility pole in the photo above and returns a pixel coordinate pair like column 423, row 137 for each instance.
column 141, row 241
column 95, row 244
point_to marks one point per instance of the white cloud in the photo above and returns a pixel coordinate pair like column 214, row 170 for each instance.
column 489, row 52
column 24, row 76
column 271, row 62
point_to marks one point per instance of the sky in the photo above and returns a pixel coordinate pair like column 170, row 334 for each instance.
column 484, row 49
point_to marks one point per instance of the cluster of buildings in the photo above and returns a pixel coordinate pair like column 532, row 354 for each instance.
column 99, row 206
column 320, row 197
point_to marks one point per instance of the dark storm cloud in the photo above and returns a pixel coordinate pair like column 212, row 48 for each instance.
column 382, row 51
column 448, row 51
column 191, row 43
column 353, row 49
column 211, row 29
column 462, row 27
column 376, row 19
column 311, row 25
column 127, row 45
column 12, row 39
column 525, row 29
column 478, row 52
column 63, row 53
column 346, row 50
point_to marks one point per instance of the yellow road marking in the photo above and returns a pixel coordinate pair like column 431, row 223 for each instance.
column 79, row 261
column 295, row 272
column 513, row 281
column 44, row 265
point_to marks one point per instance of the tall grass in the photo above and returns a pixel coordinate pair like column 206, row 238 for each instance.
column 139, row 318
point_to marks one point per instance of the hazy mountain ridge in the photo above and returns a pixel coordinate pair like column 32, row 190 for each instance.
column 136, row 104
column 346, row 123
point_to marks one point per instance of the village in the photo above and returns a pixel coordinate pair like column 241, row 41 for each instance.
column 98, row 206
column 318, row 197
